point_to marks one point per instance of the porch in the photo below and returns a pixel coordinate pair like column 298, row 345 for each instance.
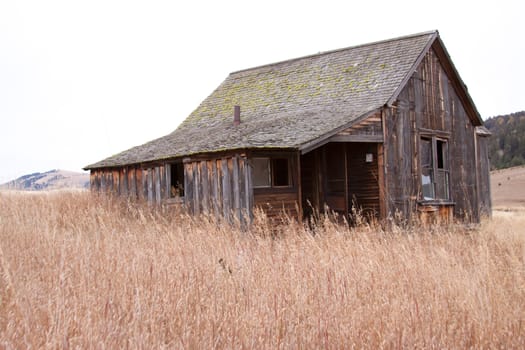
column 344, row 177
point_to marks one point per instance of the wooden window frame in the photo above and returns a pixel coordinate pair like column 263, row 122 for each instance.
column 435, row 170
column 173, row 189
column 271, row 170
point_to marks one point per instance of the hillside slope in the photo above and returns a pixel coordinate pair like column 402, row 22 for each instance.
column 507, row 144
column 50, row 180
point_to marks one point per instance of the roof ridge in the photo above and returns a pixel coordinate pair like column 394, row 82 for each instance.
column 322, row 53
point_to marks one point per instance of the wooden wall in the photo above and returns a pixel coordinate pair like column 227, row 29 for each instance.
column 220, row 187
column 278, row 201
column 277, row 204
column 150, row 183
column 484, row 192
column 363, row 179
column 429, row 104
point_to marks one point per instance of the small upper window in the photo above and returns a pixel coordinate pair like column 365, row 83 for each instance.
column 270, row 172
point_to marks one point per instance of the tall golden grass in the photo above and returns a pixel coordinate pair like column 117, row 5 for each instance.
column 77, row 271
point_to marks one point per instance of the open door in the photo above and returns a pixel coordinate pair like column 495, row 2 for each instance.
column 335, row 181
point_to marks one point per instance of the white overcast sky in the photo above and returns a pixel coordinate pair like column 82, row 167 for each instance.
column 82, row 80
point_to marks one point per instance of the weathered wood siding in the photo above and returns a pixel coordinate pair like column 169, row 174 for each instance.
column 361, row 189
column 363, row 176
column 219, row 187
column 429, row 104
column 368, row 130
column 135, row 182
column 278, row 201
column 484, row 193
column 276, row 204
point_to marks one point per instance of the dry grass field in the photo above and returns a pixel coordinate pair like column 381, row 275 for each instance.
column 78, row 271
column 508, row 188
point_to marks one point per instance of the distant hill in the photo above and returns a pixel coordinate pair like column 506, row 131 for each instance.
column 51, row 180
column 507, row 144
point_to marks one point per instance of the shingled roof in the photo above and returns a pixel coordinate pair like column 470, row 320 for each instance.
column 291, row 104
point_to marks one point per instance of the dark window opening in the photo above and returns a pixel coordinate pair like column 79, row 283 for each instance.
column 267, row 172
column 281, row 175
column 177, row 180
column 441, row 154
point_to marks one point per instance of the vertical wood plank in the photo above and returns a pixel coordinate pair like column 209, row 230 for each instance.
column 108, row 179
column 205, row 187
column 123, row 174
column 446, row 101
column 413, row 144
column 347, row 178
column 226, row 190
column 103, row 186
column 243, row 205
column 318, row 180
column 149, row 185
column 196, row 187
column 162, row 182
column 299, row 186
column 157, row 185
column 220, row 179
column 214, row 181
column 116, row 181
column 248, row 188
column 235, row 188
column 132, row 182
column 386, row 119
column 188, row 186
column 92, row 180
column 381, row 182
column 168, row 181
column 140, row 183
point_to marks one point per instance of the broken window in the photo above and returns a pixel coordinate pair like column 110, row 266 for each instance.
column 261, row 172
column 434, row 168
column 270, row 172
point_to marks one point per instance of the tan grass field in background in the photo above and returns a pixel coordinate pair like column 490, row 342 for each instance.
column 78, row 271
column 508, row 188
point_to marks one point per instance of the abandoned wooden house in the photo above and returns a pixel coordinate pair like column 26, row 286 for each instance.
column 387, row 128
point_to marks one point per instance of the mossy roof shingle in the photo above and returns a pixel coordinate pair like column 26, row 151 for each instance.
column 289, row 104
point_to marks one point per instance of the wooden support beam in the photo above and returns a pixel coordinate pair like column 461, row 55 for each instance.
column 357, row 138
